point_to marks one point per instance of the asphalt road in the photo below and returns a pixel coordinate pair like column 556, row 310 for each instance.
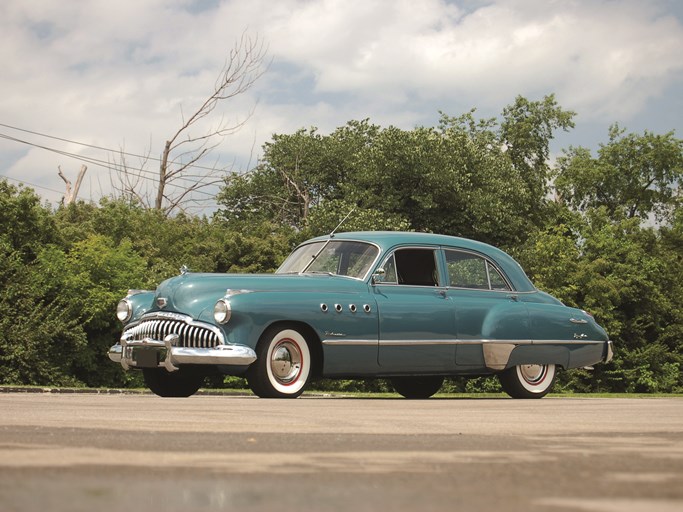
column 138, row 452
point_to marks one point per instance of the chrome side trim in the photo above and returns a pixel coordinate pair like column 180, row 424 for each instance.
column 578, row 320
column 350, row 342
column 483, row 341
column 408, row 343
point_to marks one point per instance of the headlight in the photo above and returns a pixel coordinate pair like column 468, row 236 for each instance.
column 222, row 311
column 124, row 310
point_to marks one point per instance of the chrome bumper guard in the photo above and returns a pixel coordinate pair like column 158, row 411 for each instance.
column 609, row 353
column 123, row 353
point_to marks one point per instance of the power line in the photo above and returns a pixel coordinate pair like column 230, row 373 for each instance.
column 32, row 184
column 145, row 157
column 107, row 165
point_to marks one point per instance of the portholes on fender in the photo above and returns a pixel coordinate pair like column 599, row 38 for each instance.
column 367, row 308
column 338, row 308
column 323, row 308
column 352, row 308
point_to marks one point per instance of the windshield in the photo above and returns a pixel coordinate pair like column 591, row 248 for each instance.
column 341, row 257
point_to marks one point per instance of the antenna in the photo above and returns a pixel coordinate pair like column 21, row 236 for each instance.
column 331, row 236
column 342, row 222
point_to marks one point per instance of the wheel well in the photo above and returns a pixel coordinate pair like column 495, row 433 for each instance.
column 314, row 344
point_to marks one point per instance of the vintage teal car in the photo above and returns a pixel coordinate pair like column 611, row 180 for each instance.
column 411, row 307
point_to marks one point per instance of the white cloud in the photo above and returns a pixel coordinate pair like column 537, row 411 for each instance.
column 605, row 58
column 117, row 74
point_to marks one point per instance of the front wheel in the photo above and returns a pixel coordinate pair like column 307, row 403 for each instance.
column 179, row 384
column 417, row 387
column 283, row 364
column 528, row 380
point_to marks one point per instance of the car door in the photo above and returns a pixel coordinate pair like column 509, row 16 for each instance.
column 487, row 311
column 416, row 321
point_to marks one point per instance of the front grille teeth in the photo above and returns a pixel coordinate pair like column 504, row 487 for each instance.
column 190, row 336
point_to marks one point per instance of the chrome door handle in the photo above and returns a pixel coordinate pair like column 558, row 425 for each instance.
column 578, row 321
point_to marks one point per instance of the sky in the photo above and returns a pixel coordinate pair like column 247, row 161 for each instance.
column 121, row 75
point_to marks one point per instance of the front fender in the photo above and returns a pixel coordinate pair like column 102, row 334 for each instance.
column 141, row 302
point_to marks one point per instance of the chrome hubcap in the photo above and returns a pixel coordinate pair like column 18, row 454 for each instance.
column 533, row 373
column 285, row 361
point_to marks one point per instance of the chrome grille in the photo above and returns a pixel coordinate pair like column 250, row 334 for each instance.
column 193, row 336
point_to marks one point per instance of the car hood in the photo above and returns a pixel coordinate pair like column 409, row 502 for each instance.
column 194, row 293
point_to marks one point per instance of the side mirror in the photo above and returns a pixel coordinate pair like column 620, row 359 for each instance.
column 378, row 276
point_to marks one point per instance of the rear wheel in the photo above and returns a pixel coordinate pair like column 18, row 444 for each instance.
column 528, row 380
column 283, row 365
column 182, row 383
column 417, row 387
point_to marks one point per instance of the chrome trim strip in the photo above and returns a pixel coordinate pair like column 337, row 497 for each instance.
column 399, row 343
column 484, row 342
column 573, row 342
column 350, row 342
column 578, row 321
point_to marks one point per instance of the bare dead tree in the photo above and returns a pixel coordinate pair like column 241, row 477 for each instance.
column 181, row 177
column 133, row 183
column 303, row 195
column 71, row 194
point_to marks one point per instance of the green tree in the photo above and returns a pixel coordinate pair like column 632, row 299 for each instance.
column 86, row 283
column 621, row 272
column 633, row 175
column 39, row 340
column 25, row 223
column 526, row 131
column 483, row 179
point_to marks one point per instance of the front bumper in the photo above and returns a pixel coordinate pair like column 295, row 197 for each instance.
column 151, row 353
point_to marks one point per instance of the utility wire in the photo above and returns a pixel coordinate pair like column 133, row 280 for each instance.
column 96, row 147
column 107, row 165
column 32, row 184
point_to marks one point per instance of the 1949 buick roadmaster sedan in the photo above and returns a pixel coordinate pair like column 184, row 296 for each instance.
column 411, row 307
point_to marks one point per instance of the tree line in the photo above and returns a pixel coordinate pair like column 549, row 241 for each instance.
column 599, row 230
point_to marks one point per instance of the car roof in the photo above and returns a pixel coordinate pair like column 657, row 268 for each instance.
column 389, row 239
column 386, row 240
column 392, row 238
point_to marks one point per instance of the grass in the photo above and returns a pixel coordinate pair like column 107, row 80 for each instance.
column 316, row 393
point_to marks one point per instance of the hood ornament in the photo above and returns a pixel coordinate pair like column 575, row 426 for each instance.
column 184, row 270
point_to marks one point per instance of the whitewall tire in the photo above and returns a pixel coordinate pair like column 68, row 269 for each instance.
column 283, row 365
column 528, row 380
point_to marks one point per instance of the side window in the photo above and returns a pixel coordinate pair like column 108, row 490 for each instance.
column 390, row 271
column 416, row 267
column 497, row 281
column 466, row 270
